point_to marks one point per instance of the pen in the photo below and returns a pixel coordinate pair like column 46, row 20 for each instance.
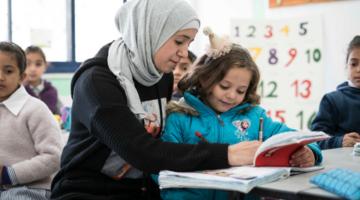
column 261, row 122
column 202, row 138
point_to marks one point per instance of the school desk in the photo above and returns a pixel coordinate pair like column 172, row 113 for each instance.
column 299, row 186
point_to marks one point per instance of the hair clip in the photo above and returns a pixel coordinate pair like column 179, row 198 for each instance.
column 219, row 46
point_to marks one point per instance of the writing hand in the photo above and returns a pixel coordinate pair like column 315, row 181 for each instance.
column 350, row 139
column 304, row 157
column 242, row 153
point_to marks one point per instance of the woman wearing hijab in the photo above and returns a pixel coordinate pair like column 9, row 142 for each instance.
column 119, row 99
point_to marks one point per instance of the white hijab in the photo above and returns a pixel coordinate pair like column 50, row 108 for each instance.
column 145, row 25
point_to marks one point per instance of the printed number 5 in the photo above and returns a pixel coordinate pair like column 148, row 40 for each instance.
column 303, row 29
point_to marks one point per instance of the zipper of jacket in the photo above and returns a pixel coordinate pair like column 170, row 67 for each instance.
column 220, row 120
column 220, row 134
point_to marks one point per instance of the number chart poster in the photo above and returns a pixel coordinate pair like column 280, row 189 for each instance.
column 289, row 55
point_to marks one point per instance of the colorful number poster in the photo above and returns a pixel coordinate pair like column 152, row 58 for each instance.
column 289, row 54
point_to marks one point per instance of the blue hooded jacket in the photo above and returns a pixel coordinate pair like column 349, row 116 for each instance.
column 339, row 113
column 238, row 124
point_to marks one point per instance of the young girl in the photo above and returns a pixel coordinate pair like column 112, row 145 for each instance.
column 180, row 70
column 34, row 84
column 339, row 111
column 220, row 105
column 30, row 140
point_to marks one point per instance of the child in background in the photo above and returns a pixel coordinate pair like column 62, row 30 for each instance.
column 339, row 110
column 220, row 105
column 30, row 140
column 34, row 84
column 180, row 70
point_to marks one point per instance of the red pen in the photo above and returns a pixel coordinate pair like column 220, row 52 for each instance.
column 202, row 138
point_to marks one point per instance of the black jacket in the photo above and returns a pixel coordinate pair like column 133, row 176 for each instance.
column 102, row 123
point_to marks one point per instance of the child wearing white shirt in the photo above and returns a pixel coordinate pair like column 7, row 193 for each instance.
column 30, row 138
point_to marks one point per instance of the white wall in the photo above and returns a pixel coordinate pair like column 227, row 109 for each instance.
column 341, row 22
column 217, row 15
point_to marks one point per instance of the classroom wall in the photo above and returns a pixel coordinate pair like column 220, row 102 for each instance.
column 340, row 24
column 217, row 15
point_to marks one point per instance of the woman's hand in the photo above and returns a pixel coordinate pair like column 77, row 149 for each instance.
column 304, row 157
column 350, row 139
column 242, row 153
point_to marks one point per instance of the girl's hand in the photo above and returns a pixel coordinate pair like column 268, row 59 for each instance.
column 304, row 157
column 242, row 153
column 350, row 139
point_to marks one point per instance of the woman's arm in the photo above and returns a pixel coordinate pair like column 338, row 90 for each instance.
column 101, row 107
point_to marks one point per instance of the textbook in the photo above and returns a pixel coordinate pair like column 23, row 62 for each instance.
column 241, row 179
column 273, row 156
column 276, row 150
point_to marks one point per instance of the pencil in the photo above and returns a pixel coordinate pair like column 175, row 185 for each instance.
column 261, row 123
column 202, row 138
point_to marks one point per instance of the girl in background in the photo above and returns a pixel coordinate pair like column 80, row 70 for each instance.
column 180, row 70
column 35, row 85
column 339, row 110
column 220, row 105
column 30, row 138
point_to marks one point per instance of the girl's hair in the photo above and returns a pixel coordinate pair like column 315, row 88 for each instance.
column 355, row 43
column 17, row 52
column 191, row 56
column 35, row 49
column 208, row 72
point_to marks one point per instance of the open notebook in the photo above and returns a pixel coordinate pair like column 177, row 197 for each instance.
column 276, row 150
column 274, row 154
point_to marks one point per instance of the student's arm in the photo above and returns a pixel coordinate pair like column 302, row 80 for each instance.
column 326, row 121
column 50, row 97
column 315, row 148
